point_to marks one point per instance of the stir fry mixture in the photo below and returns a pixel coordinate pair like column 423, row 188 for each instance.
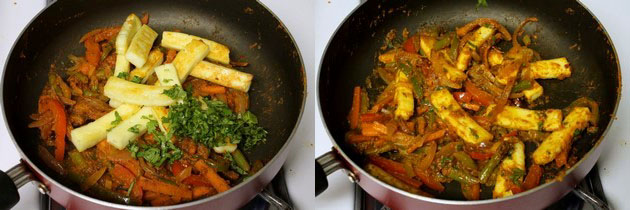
column 169, row 131
column 445, row 106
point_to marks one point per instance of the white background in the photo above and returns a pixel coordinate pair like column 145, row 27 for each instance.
column 613, row 165
column 297, row 15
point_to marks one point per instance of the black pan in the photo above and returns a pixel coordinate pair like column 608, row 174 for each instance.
column 277, row 93
column 565, row 29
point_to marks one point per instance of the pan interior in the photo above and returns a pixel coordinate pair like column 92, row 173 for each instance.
column 565, row 29
column 251, row 32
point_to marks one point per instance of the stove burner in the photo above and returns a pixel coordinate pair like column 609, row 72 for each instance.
column 276, row 192
column 591, row 184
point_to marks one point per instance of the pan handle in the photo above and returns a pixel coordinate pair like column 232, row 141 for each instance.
column 10, row 182
column 325, row 165
column 597, row 203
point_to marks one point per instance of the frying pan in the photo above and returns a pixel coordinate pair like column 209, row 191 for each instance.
column 277, row 93
column 566, row 28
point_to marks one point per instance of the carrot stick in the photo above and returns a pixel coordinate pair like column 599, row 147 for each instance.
column 357, row 138
column 162, row 201
column 149, row 196
column 60, row 126
column 408, row 180
column 145, row 18
column 371, row 117
column 429, row 181
column 170, row 56
column 387, row 164
column 533, row 177
column 164, row 188
column 133, row 166
column 212, row 89
column 122, row 174
column 92, row 52
column 562, row 158
column 356, row 107
column 202, row 191
column 435, row 135
column 196, row 180
column 211, row 175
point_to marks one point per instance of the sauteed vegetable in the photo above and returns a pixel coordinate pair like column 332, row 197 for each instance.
column 444, row 106
column 148, row 125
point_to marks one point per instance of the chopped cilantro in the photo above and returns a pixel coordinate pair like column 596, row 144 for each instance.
column 166, row 80
column 135, row 129
column 136, row 79
column 517, row 174
column 212, row 123
column 163, row 151
column 175, row 93
column 123, row 75
column 474, row 133
column 116, row 121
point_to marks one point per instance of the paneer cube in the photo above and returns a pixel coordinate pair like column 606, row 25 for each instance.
column 449, row 110
column 176, row 40
column 156, row 57
column 480, row 36
column 518, row 118
column 92, row 133
column 140, row 46
column 553, row 120
column 549, row 149
column 512, row 166
column 534, row 92
column 426, row 44
column 130, row 129
column 388, row 57
column 403, row 97
column 222, row 75
column 495, row 57
column 137, row 94
column 189, row 57
column 558, row 68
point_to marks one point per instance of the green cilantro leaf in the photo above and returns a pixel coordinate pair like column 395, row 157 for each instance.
column 136, row 79
column 123, row 75
column 116, row 121
column 135, row 129
column 175, row 93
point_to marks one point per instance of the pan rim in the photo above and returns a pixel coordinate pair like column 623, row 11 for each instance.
column 347, row 159
column 71, row 191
